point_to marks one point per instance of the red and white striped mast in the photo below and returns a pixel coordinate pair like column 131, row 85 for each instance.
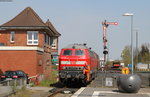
column 105, row 52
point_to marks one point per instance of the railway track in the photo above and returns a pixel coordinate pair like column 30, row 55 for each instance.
column 63, row 91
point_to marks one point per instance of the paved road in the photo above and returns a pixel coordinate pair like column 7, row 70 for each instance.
column 97, row 88
column 5, row 90
column 109, row 92
column 100, row 81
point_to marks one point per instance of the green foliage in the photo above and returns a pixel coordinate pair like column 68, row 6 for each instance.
column 22, row 93
column 51, row 80
column 141, row 55
column 55, row 67
column 126, row 55
column 144, row 54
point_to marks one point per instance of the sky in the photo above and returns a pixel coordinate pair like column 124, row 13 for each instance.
column 79, row 21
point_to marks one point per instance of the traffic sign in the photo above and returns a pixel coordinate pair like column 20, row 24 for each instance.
column 130, row 65
column 125, row 70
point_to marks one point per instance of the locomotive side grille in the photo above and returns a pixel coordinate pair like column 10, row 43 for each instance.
column 73, row 68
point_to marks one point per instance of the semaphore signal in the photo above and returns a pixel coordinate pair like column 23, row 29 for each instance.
column 105, row 52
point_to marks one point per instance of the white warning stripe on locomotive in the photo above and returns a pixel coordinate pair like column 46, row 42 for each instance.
column 72, row 62
column 65, row 62
column 80, row 62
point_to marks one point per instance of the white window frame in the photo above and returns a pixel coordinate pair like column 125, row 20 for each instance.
column 54, row 42
column 32, row 40
column 12, row 36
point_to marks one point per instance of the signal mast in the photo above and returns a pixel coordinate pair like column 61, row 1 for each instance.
column 105, row 52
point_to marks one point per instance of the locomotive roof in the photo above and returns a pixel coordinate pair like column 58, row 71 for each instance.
column 76, row 46
column 79, row 46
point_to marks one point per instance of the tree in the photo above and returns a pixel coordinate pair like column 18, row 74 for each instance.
column 140, row 54
column 136, row 56
column 126, row 55
column 144, row 54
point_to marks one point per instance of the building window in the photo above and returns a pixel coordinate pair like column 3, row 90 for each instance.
column 32, row 38
column 54, row 42
column 47, row 39
column 12, row 36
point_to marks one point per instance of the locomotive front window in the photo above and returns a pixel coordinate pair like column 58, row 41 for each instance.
column 67, row 52
column 79, row 52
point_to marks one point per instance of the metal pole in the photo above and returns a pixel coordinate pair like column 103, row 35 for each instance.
column 132, row 42
column 105, row 41
column 131, row 14
column 136, row 46
column 108, row 51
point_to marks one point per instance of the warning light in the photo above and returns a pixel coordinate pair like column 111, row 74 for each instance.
column 115, row 23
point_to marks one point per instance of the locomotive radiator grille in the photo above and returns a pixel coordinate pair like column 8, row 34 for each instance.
column 71, row 74
column 73, row 68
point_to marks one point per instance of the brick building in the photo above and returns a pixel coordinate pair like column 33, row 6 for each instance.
column 27, row 43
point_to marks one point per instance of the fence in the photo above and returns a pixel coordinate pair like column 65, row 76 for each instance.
column 15, row 82
column 11, row 86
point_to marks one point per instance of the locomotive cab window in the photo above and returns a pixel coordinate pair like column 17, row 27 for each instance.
column 67, row 52
column 79, row 52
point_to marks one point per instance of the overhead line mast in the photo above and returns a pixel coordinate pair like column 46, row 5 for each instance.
column 105, row 52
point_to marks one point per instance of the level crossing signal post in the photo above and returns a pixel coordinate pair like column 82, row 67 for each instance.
column 105, row 52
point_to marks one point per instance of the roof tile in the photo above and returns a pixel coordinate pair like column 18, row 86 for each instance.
column 27, row 17
column 49, row 24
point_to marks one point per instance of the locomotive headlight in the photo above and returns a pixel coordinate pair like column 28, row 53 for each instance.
column 65, row 62
column 80, row 62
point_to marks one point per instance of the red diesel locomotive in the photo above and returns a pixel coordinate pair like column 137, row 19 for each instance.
column 77, row 63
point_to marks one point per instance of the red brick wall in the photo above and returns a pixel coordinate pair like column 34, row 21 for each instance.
column 47, row 64
column 32, row 62
column 19, row 60
column 20, row 38
column 2, row 37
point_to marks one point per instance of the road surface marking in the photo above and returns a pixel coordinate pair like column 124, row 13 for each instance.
column 78, row 92
column 145, row 94
column 96, row 93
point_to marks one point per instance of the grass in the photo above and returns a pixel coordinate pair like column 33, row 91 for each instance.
column 55, row 67
column 52, row 79
column 45, row 83
column 22, row 93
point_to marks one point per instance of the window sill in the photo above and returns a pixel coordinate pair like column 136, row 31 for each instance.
column 12, row 42
column 33, row 44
